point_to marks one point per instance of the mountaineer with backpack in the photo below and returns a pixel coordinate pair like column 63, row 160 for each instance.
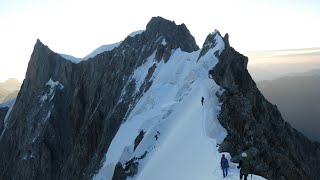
column 224, row 165
column 244, row 164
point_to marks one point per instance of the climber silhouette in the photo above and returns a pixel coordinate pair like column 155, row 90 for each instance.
column 202, row 100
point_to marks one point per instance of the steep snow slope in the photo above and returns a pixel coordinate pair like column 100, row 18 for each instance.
column 181, row 135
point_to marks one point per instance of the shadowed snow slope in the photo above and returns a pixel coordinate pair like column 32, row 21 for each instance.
column 182, row 135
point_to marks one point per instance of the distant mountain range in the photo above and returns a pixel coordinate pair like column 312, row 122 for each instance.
column 297, row 97
column 269, row 65
column 290, row 79
column 9, row 89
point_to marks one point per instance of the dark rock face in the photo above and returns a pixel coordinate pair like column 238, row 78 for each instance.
column 177, row 36
column 255, row 126
column 62, row 130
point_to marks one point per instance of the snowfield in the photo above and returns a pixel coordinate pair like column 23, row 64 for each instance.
column 182, row 136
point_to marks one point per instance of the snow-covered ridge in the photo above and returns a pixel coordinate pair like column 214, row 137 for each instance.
column 99, row 50
column 71, row 58
column 136, row 33
column 181, row 135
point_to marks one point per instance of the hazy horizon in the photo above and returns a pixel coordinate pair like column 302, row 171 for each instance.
column 268, row 65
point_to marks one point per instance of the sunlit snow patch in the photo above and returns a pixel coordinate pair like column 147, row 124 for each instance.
column 50, row 95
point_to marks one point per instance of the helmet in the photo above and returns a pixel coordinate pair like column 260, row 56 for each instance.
column 222, row 155
column 244, row 154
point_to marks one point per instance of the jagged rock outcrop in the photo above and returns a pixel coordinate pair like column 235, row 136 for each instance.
column 131, row 166
column 138, row 139
column 119, row 173
column 209, row 43
column 171, row 36
column 254, row 125
column 67, row 114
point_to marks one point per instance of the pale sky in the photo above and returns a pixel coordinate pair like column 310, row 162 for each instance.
column 77, row 27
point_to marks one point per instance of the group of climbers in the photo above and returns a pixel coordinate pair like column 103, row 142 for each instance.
column 244, row 166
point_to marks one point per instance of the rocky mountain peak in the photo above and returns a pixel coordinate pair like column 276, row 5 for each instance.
column 176, row 36
column 210, row 43
column 210, row 39
column 39, row 50
column 161, row 25
column 226, row 40
column 39, row 44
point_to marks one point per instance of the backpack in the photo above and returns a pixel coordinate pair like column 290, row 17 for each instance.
column 245, row 167
column 224, row 162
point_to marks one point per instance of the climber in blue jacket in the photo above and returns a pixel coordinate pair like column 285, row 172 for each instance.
column 224, row 165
